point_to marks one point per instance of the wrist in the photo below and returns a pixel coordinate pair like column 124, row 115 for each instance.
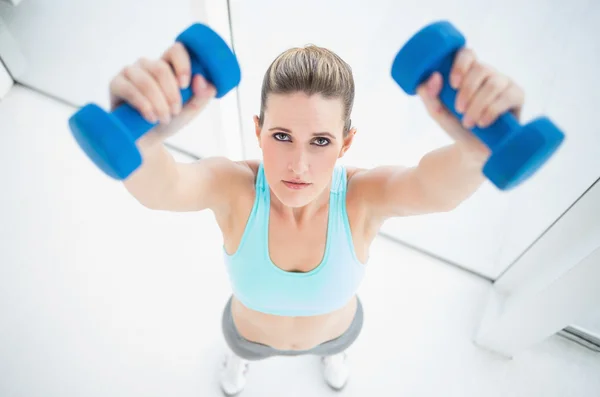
column 474, row 153
column 149, row 143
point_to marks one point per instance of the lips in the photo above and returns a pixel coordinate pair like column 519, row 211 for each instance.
column 295, row 184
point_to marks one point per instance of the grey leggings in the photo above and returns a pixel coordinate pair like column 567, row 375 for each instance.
column 253, row 351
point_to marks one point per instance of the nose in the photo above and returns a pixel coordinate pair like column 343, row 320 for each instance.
column 298, row 162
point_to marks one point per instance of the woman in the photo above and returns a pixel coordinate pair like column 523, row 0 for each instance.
column 296, row 225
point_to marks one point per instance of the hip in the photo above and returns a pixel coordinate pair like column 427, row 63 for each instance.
column 293, row 333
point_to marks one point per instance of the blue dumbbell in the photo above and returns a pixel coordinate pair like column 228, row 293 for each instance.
column 517, row 152
column 109, row 139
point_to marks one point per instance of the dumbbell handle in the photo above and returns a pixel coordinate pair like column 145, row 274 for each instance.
column 135, row 123
column 491, row 135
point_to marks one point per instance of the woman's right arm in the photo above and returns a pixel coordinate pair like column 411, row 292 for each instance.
column 152, row 87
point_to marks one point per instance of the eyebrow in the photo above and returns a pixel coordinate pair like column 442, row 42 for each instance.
column 325, row 133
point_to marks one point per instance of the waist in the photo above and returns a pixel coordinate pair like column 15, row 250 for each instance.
column 292, row 333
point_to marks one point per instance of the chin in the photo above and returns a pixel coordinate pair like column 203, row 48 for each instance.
column 295, row 198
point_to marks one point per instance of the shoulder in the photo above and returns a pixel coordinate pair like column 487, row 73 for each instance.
column 246, row 172
column 230, row 179
column 351, row 171
column 355, row 187
column 362, row 180
column 250, row 165
column 380, row 192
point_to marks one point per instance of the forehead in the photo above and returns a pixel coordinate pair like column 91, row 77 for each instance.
column 302, row 109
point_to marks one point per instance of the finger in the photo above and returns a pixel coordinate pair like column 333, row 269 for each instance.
column 146, row 84
column 483, row 98
column 124, row 90
column 429, row 92
column 462, row 63
column 203, row 91
column 202, row 95
column 179, row 59
column 507, row 100
column 470, row 84
column 165, row 77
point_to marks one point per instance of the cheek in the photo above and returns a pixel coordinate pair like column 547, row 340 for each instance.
column 323, row 162
column 323, row 158
column 268, row 145
column 273, row 154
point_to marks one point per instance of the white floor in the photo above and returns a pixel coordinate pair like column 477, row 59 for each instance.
column 99, row 297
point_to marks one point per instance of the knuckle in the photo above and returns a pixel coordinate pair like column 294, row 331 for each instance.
column 176, row 51
column 113, row 86
column 127, row 91
column 144, row 84
column 467, row 57
column 469, row 88
column 479, row 69
column 468, row 51
column 128, row 71
column 493, row 109
column 145, row 107
column 160, row 69
column 496, row 83
column 179, row 49
column 484, row 68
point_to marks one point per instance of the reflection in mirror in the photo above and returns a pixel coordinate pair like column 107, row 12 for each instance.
column 72, row 48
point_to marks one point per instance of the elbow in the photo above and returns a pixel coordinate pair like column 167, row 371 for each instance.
column 452, row 203
column 148, row 201
column 150, row 204
column 449, row 207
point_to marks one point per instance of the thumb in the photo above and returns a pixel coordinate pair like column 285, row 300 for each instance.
column 203, row 92
column 429, row 92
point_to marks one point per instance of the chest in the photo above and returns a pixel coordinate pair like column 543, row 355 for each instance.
column 293, row 248
column 297, row 248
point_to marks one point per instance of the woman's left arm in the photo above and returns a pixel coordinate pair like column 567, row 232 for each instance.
column 483, row 94
column 447, row 176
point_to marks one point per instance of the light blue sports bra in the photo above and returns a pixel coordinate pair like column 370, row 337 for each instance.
column 262, row 286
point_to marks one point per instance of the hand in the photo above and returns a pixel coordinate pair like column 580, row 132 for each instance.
column 483, row 94
column 152, row 87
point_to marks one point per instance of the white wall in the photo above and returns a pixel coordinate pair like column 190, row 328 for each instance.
column 97, row 293
column 6, row 82
column 548, row 47
column 553, row 285
column 73, row 48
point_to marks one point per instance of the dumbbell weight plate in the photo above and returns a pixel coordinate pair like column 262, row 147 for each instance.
column 418, row 58
column 520, row 155
column 214, row 55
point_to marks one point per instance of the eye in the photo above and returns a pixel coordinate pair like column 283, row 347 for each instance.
column 324, row 141
column 278, row 136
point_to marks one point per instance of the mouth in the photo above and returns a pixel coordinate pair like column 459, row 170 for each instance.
column 296, row 184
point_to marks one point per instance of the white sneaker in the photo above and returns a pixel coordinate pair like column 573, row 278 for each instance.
column 336, row 370
column 233, row 375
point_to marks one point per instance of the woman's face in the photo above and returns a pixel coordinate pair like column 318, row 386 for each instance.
column 301, row 140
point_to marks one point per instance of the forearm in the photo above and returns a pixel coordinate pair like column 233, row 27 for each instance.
column 155, row 179
column 451, row 174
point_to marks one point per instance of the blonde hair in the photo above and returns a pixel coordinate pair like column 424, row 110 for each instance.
column 312, row 70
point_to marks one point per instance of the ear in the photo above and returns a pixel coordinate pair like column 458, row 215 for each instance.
column 347, row 142
column 257, row 129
